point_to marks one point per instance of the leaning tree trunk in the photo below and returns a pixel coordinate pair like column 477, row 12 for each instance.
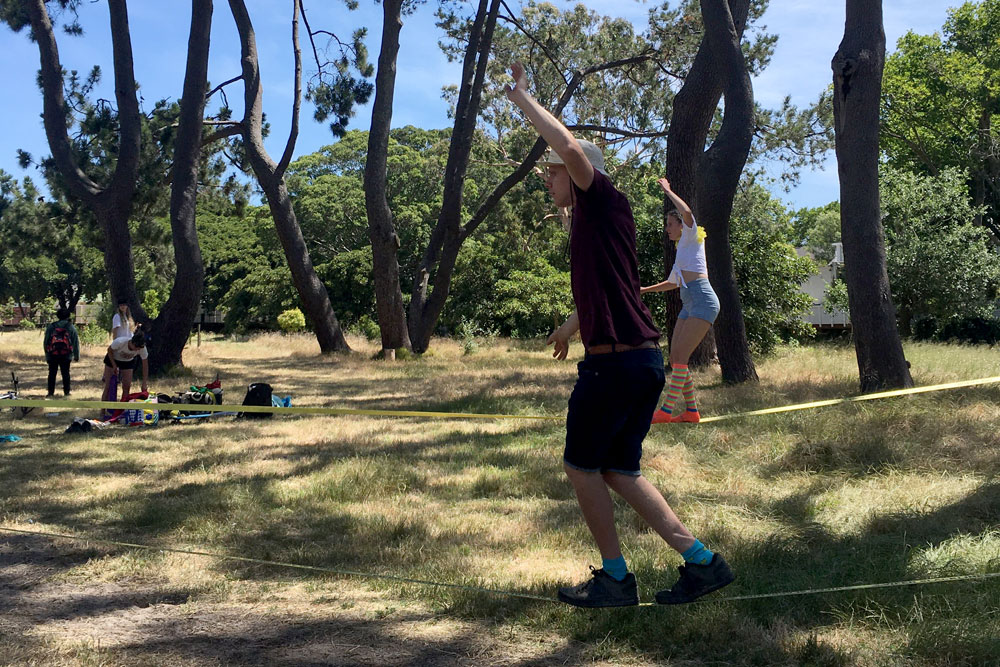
column 381, row 229
column 446, row 238
column 171, row 329
column 693, row 109
column 312, row 292
column 718, row 178
column 857, row 81
column 110, row 203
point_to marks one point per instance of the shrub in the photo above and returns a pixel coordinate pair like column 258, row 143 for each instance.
column 974, row 330
column 368, row 328
column 292, row 320
column 93, row 334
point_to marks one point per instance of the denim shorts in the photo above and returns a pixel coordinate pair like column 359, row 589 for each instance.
column 611, row 408
column 699, row 301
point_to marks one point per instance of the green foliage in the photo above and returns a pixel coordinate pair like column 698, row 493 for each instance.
column 939, row 102
column 368, row 328
column 835, row 297
column 152, row 301
column 532, row 301
column 817, row 229
column 44, row 250
column 334, row 89
column 768, row 271
column 92, row 334
column 292, row 320
column 940, row 265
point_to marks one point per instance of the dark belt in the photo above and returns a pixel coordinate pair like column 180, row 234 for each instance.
column 608, row 348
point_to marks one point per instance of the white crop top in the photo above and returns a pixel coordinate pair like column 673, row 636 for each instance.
column 690, row 255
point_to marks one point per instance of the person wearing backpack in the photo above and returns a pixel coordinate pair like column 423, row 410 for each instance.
column 62, row 344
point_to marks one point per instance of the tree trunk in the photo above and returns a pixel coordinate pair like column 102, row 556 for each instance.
column 111, row 204
column 170, row 330
column 693, row 109
column 718, row 178
column 857, row 81
column 312, row 292
column 446, row 238
column 381, row 228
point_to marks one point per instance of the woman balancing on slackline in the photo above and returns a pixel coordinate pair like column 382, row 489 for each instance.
column 701, row 307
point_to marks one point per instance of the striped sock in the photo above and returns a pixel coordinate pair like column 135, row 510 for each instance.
column 688, row 391
column 674, row 391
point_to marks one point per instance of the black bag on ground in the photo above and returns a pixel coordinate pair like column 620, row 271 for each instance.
column 258, row 393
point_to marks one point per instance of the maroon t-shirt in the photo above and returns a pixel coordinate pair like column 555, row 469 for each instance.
column 604, row 269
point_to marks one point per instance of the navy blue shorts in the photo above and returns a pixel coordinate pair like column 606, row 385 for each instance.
column 611, row 408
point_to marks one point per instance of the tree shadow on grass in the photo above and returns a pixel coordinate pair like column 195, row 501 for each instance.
column 804, row 556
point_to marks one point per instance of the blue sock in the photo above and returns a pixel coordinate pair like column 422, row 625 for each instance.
column 616, row 568
column 698, row 554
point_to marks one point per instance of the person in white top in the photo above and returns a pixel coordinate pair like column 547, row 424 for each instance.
column 122, row 323
column 701, row 307
column 123, row 356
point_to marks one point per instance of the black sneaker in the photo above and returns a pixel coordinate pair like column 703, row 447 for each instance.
column 697, row 580
column 602, row 590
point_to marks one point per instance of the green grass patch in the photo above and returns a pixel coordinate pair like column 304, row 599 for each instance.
column 870, row 492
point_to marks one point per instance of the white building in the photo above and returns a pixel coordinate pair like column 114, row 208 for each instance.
column 816, row 287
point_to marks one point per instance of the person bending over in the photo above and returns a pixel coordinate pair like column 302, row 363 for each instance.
column 620, row 378
column 123, row 356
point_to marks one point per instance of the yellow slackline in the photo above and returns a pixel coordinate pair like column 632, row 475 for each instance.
column 232, row 407
column 192, row 407
column 854, row 399
column 491, row 591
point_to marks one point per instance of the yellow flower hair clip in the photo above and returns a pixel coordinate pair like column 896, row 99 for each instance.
column 701, row 236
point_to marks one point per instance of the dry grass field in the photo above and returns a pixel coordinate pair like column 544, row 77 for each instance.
column 869, row 492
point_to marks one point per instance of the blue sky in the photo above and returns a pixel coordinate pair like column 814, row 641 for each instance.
column 809, row 32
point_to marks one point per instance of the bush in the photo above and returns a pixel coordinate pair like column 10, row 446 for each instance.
column 292, row 320
column 93, row 334
column 368, row 328
column 974, row 330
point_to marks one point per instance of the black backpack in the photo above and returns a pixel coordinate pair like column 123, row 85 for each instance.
column 258, row 393
column 59, row 343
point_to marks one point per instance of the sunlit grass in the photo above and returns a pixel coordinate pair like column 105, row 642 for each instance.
column 865, row 492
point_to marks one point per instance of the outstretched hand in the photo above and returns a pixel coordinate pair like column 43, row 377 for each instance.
column 520, row 81
column 665, row 184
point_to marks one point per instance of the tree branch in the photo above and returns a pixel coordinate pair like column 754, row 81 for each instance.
column 293, row 132
column 54, row 105
column 531, row 37
column 230, row 131
column 221, row 86
column 627, row 134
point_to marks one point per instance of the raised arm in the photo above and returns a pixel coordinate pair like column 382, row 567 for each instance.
column 679, row 203
column 551, row 129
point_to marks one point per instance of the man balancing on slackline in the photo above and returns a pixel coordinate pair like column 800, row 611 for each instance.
column 620, row 378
